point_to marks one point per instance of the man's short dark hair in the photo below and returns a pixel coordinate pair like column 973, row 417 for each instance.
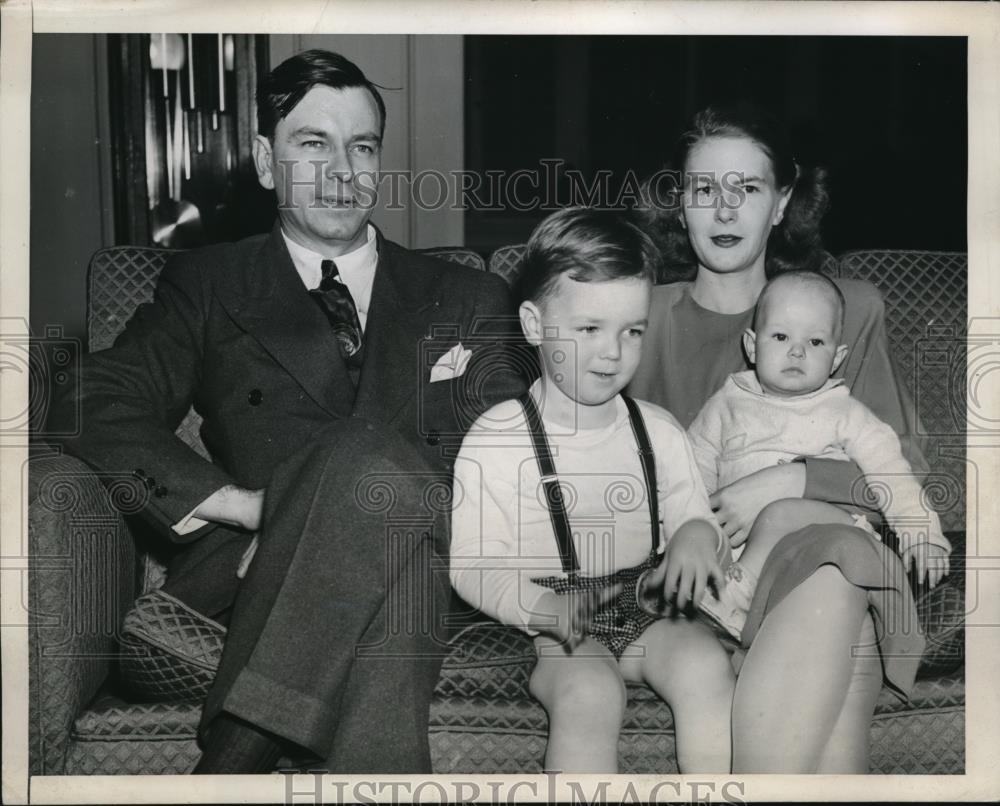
column 280, row 91
column 588, row 245
column 817, row 280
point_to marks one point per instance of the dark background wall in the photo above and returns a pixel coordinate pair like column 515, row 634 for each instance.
column 886, row 115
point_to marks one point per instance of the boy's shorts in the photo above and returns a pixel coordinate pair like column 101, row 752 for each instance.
column 620, row 622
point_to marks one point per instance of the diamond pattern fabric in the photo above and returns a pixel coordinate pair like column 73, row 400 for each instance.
column 169, row 652
column 506, row 261
column 942, row 618
column 122, row 278
column 118, row 738
column 926, row 296
column 457, row 254
column 80, row 580
column 929, row 742
column 120, row 757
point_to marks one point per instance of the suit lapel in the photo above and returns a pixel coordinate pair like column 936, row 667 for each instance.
column 402, row 299
column 273, row 306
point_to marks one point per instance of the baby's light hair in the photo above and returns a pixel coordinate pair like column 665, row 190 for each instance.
column 806, row 277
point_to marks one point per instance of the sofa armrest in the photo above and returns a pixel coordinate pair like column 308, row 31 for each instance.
column 941, row 611
column 81, row 580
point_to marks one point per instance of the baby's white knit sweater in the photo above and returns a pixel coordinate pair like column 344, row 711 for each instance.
column 741, row 430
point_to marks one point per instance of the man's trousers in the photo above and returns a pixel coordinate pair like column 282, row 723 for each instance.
column 335, row 637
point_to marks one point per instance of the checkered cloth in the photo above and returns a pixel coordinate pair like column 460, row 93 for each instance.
column 618, row 623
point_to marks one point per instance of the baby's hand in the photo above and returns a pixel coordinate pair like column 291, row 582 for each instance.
column 737, row 505
column 931, row 561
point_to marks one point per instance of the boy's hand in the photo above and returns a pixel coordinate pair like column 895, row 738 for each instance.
column 688, row 565
column 567, row 617
column 931, row 561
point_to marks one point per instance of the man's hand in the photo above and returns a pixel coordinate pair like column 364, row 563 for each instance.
column 737, row 505
column 689, row 563
column 232, row 505
column 931, row 562
column 566, row 617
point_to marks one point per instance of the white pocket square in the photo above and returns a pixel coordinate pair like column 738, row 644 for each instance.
column 451, row 365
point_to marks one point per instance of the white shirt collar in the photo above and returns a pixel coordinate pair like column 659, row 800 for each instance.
column 356, row 268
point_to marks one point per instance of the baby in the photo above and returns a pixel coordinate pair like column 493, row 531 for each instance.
column 565, row 496
column 787, row 407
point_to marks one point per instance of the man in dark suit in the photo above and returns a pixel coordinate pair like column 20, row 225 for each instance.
column 335, row 372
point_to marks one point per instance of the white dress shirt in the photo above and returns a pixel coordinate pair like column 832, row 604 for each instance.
column 357, row 269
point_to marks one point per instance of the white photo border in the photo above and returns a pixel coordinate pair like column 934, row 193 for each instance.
column 979, row 22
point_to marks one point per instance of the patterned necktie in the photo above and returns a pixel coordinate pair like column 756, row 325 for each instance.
column 337, row 303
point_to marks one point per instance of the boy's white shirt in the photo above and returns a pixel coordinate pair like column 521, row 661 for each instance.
column 501, row 530
column 741, row 429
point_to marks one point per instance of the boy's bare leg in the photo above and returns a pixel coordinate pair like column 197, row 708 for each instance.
column 781, row 518
column 584, row 696
column 684, row 663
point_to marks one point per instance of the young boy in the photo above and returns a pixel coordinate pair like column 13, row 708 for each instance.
column 788, row 406
column 556, row 511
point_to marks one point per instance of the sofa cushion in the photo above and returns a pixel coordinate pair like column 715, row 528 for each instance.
column 117, row 738
column 169, row 651
column 483, row 720
column 487, row 660
column 112, row 718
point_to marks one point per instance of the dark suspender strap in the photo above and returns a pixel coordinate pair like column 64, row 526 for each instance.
column 648, row 466
column 550, row 484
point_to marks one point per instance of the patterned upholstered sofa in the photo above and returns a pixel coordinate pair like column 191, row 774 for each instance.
column 88, row 564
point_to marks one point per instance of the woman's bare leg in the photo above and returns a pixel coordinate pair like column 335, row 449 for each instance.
column 791, row 694
column 584, row 696
column 848, row 748
column 684, row 663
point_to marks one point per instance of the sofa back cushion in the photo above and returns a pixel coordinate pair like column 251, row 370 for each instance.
column 506, row 261
column 121, row 278
column 926, row 302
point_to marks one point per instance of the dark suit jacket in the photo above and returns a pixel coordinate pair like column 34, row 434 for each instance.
column 233, row 332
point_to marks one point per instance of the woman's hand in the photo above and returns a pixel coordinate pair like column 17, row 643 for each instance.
column 688, row 565
column 737, row 505
column 931, row 562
